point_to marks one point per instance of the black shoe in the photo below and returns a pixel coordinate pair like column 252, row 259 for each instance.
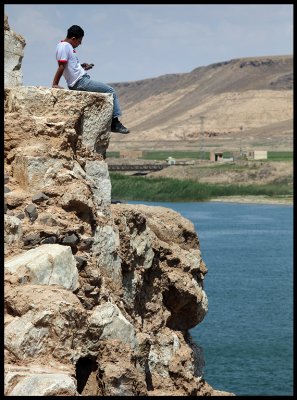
column 118, row 127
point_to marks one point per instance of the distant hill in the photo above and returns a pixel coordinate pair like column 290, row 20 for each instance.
column 254, row 95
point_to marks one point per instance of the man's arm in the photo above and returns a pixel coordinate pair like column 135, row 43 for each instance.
column 58, row 75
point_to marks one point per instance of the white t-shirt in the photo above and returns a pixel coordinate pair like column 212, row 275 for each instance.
column 73, row 70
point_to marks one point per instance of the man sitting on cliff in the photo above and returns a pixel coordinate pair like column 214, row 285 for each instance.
column 76, row 76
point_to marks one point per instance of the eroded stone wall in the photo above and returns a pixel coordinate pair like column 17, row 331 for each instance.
column 14, row 45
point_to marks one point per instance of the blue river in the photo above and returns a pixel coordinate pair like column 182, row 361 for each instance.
column 247, row 334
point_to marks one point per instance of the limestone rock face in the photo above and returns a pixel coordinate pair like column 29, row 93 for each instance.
column 163, row 269
column 13, row 54
column 60, row 119
column 37, row 381
column 99, row 298
column 50, row 264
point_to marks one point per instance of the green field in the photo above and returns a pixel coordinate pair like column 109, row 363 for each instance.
column 163, row 155
column 194, row 155
column 280, row 155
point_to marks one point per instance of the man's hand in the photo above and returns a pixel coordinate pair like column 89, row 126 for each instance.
column 57, row 87
column 87, row 66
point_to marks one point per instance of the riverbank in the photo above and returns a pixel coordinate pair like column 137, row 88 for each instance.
column 286, row 200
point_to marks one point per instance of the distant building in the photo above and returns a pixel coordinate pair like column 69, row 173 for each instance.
column 257, row 155
column 171, row 161
column 217, row 156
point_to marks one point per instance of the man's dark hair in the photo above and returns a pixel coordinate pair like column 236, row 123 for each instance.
column 75, row 31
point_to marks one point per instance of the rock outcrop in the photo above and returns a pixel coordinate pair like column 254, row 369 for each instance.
column 14, row 52
column 99, row 297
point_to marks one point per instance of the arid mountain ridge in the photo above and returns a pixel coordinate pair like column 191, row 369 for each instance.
column 247, row 99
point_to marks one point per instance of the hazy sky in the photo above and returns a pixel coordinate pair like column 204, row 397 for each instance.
column 131, row 42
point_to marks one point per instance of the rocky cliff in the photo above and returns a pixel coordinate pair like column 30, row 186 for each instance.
column 99, row 297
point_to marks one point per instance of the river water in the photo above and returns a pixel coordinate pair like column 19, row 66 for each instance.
column 247, row 334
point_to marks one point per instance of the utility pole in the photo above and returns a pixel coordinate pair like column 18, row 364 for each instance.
column 201, row 133
column 240, row 139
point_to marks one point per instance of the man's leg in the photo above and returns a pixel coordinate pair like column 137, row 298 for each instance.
column 89, row 85
column 93, row 86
